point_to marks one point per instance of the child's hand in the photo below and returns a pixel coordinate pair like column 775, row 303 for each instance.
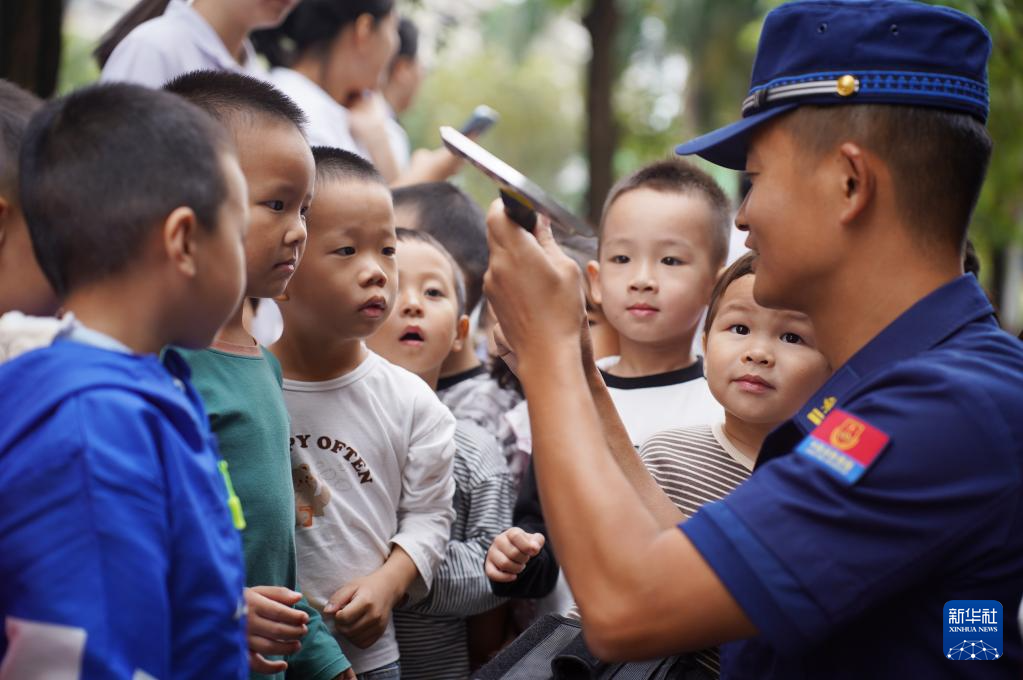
column 274, row 626
column 362, row 608
column 510, row 552
column 348, row 674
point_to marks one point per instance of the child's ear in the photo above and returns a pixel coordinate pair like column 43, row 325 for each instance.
column 593, row 274
column 180, row 233
column 461, row 334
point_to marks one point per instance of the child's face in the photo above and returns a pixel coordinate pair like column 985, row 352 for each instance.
column 346, row 285
column 423, row 328
column 23, row 286
column 220, row 263
column 655, row 274
column 280, row 173
column 761, row 364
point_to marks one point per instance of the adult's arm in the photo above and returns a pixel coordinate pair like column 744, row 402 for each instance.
column 643, row 589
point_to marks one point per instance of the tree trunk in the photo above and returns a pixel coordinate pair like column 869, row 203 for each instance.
column 601, row 132
column 30, row 36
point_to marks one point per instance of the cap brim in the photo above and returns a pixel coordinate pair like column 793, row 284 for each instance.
column 727, row 146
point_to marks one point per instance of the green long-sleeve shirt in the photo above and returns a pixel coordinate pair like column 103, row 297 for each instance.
column 241, row 388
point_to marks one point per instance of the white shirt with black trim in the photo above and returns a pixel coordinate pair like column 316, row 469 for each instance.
column 652, row 403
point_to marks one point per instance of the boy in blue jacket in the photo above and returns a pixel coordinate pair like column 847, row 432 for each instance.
column 119, row 552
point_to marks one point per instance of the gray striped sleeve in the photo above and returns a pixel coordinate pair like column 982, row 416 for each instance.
column 484, row 500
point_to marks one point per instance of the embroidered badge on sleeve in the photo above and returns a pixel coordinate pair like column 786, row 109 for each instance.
column 844, row 444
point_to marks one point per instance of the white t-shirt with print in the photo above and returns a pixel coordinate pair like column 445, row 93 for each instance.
column 371, row 457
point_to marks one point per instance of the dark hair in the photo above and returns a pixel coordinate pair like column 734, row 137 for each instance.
column 448, row 214
column 408, row 41
column 937, row 158
column 104, row 166
column 744, row 266
column 338, row 164
column 16, row 108
column 312, row 26
column 675, row 175
column 227, row 96
column 142, row 11
column 404, row 234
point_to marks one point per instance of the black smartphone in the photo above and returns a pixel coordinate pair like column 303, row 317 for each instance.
column 522, row 197
column 482, row 119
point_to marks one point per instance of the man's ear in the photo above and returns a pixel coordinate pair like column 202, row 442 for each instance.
column 180, row 240
column 859, row 181
column 461, row 334
column 593, row 274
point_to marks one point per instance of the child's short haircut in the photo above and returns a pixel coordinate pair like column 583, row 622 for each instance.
column 338, row 164
column 405, row 235
column 232, row 96
column 744, row 266
column 938, row 158
column 16, row 108
column 104, row 166
column 450, row 216
column 681, row 177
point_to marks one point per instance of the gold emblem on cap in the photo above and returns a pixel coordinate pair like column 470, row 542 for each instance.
column 847, row 85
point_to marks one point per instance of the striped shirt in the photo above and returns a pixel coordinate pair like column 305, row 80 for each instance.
column 695, row 466
column 432, row 637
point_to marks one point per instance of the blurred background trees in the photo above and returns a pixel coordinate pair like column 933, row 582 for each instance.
column 588, row 89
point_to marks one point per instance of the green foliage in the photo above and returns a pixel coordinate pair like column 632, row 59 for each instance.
column 540, row 103
column 998, row 220
column 77, row 67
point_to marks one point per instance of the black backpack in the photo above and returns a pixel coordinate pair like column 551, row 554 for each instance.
column 553, row 649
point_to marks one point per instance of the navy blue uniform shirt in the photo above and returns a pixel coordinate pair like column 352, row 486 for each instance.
column 897, row 488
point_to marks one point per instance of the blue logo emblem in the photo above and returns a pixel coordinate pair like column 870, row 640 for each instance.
column 973, row 630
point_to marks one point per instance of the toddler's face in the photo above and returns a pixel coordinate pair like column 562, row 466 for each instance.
column 761, row 364
column 423, row 328
column 655, row 274
column 346, row 285
column 280, row 172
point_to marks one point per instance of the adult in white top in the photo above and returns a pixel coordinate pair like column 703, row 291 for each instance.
column 329, row 123
column 158, row 40
column 327, row 56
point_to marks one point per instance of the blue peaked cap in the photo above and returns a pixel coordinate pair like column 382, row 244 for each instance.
column 856, row 52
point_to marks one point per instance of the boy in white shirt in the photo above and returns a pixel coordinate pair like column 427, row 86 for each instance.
column 372, row 446
column 663, row 238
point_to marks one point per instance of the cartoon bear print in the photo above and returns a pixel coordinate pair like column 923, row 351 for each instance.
column 311, row 495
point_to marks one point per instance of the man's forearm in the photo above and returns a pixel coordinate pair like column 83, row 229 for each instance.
column 620, row 445
column 581, row 484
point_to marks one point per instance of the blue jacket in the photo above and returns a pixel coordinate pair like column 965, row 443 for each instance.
column 117, row 550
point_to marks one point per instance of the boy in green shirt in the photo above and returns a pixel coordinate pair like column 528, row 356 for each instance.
column 240, row 382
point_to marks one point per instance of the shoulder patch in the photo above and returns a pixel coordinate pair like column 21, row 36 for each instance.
column 844, row 444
